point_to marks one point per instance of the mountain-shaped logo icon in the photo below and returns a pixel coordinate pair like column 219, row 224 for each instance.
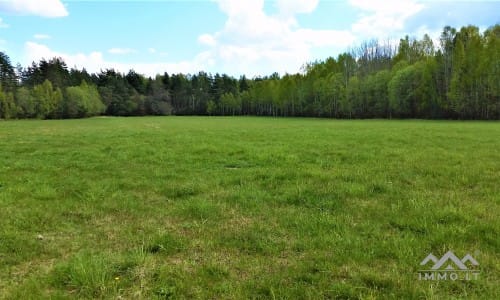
column 449, row 261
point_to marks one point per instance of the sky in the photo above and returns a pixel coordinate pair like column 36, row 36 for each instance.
column 236, row 37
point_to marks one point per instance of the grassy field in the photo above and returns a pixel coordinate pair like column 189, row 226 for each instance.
column 238, row 208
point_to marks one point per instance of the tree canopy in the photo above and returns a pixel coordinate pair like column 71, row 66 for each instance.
column 415, row 78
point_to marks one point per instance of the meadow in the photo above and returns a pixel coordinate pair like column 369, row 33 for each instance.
column 246, row 208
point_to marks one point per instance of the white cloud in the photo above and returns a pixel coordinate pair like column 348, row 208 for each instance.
column 3, row 25
column 255, row 43
column 382, row 18
column 121, row 51
column 434, row 34
column 43, row 8
column 293, row 7
column 155, row 51
column 241, row 7
column 95, row 61
column 207, row 39
column 39, row 36
column 35, row 52
column 324, row 38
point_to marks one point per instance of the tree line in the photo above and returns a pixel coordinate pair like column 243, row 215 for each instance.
column 456, row 79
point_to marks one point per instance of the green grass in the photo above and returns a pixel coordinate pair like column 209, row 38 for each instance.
column 245, row 208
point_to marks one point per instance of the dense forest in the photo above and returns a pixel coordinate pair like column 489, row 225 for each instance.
column 457, row 79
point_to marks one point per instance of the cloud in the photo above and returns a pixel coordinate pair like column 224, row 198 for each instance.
column 381, row 18
column 255, row 43
column 3, row 25
column 324, row 38
column 434, row 34
column 155, row 51
column 39, row 36
column 95, row 61
column 42, row 8
column 438, row 14
column 207, row 39
column 293, row 7
column 121, row 51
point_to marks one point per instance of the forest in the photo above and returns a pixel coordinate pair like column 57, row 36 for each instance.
column 414, row 78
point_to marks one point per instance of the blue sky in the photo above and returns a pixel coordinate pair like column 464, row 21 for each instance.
column 252, row 37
